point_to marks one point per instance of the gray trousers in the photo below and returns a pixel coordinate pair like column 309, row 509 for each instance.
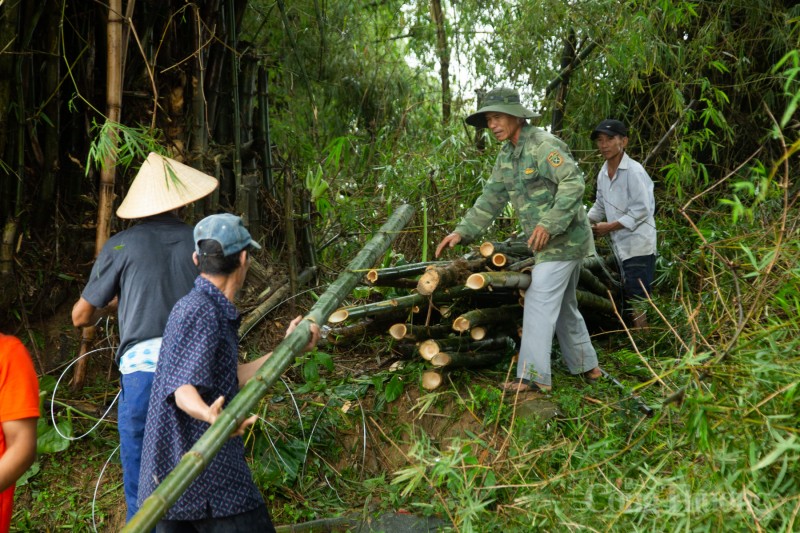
column 551, row 307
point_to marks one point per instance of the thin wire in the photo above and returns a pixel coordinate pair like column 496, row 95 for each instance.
column 53, row 399
column 296, row 408
column 313, row 428
column 269, row 438
column 97, row 486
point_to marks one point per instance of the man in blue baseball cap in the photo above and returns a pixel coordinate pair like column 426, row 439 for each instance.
column 197, row 372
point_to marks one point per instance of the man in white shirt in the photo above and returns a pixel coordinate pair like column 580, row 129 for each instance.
column 624, row 211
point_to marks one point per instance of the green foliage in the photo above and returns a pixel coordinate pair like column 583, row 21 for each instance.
column 121, row 144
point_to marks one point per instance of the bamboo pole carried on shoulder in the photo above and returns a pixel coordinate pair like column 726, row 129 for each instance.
column 204, row 450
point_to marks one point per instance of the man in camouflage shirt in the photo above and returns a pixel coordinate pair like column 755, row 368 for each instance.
column 536, row 173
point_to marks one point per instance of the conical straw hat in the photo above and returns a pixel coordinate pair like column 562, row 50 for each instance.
column 163, row 184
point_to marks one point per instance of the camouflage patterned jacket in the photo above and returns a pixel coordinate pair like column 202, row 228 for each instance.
column 545, row 187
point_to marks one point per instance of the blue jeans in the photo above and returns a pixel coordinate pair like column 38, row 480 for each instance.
column 132, row 413
column 643, row 268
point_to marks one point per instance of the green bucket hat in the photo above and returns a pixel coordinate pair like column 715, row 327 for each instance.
column 500, row 100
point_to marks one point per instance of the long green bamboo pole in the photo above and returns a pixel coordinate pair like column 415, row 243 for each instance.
column 401, row 302
column 204, row 450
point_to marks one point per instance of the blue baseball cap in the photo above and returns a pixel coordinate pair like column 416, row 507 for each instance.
column 228, row 230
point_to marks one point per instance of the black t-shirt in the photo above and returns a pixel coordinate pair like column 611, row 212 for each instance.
column 150, row 267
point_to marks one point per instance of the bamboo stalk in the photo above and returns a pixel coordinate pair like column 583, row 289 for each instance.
column 273, row 301
column 477, row 333
column 406, row 350
column 592, row 283
column 490, row 315
column 496, row 280
column 592, row 301
column 401, row 302
column 521, row 265
column 344, row 333
column 454, row 273
column 398, row 283
column 429, row 348
column 203, row 451
column 414, row 332
column 377, row 275
column 499, row 260
column 432, row 380
column 467, row 359
column 487, row 249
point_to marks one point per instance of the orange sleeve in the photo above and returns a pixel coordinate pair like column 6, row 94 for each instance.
column 19, row 387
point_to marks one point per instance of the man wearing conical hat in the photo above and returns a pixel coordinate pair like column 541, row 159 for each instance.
column 536, row 173
column 144, row 269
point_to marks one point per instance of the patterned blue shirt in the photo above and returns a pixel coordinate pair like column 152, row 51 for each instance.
column 200, row 347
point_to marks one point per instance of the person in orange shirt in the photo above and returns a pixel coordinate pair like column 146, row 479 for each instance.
column 19, row 410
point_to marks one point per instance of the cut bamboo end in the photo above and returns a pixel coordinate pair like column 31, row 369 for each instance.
column 486, row 249
column 431, row 380
column 477, row 333
column 499, row 260
column 445, row 311
column 441, row 359
column 461, row 324
column 372, row 276
column 428, row 349
column 428, row 282
column 340, row 315
column 415, row 309
column 398, row 331
column 476, row 281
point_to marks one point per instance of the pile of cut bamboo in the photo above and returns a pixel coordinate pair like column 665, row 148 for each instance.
column 465, row 313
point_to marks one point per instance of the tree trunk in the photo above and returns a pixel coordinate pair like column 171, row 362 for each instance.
column 200, row 455
column 567, row 57
column 443, row 52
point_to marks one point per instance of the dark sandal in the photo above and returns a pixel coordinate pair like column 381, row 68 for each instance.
column 517, row 386
column 589, row 379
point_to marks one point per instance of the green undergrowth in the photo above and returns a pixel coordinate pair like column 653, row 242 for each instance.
column 345, row 433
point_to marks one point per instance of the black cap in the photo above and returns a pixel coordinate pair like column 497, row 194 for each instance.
column 610, row 127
